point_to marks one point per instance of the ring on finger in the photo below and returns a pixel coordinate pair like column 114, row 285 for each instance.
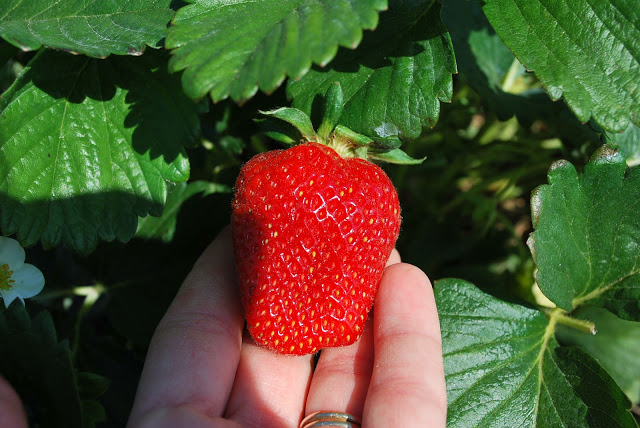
column 330, row 419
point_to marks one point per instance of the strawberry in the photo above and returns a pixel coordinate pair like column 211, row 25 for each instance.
column 312, row 233
column 313, row 227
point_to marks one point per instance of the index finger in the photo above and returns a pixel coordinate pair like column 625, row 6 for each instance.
column 407, row 387
column 194, row 352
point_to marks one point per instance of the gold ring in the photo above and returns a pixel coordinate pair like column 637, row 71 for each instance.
column 330, row 419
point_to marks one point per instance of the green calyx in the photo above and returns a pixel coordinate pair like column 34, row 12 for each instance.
column 294, row 126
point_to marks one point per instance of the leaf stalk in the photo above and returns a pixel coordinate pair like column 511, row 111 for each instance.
column 559, row 316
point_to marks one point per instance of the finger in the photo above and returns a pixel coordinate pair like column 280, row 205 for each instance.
column 394, row 258
column 195, row 349
column 182, row 416
column 407, row 385
column 341, row 379
column 11, row 410
column 270, row 388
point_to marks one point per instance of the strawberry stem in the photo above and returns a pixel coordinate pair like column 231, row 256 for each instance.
column 344, row 147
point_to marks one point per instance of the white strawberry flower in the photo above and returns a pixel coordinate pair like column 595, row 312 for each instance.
column 17, row 278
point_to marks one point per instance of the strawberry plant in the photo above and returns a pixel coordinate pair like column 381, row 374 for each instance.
column 508, row 128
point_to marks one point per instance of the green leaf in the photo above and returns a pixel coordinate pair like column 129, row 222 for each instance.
column 396, row 156
column 9, row 69
column 481, row 55
column 6, row 52
column 385, row 144
column 616, row 346
column 393, row 82
column 92, row 386
column 295, row 117
column 343, row 133
column 86, row 146
column 164, row 227
column 39, row 367
column 278, row 130
column 94, row 28
column 232, row 48
column 629, row 142
column 92, row 412
column 607, row 406
column 586, row 242
column 333, row 103
column 496, row 75
column 504, row 367
column 588, row 52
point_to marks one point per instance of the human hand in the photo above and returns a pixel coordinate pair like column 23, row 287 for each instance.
column 202, row 371
column 12, row 413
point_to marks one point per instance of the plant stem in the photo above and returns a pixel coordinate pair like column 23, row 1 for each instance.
column 84, row 290
column 560, row 316
column 76, row 331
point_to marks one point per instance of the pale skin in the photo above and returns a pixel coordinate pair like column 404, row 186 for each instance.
column 203, row 370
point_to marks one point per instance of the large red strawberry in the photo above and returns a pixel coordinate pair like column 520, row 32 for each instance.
column 312, row 234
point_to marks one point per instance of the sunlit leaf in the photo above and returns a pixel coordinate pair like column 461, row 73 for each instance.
column 394, row 82
column 585, row 51
column 87, row 145
column 586, row 242
column 504, row 368
column 232, row 48
column 95, row 28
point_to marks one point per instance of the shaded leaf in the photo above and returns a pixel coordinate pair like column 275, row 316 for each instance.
column 616, row 346
column 586, row 242
column 588, row 52
column 92, row 386
column 483, row 57
column 86, row 146
column 232, row 48
column 279, row 130
column 504, row 367
column 93, row 412
column 394, row 82
column 39, row 367
column 105, row 355
column 95, row 28
column 504, row 85
column 9, row 69
column 607, row 406
column 6, row 52
column 164, row 227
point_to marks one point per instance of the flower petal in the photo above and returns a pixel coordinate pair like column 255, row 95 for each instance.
column 9, row 296
column 29, row 281
column 11, row 253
